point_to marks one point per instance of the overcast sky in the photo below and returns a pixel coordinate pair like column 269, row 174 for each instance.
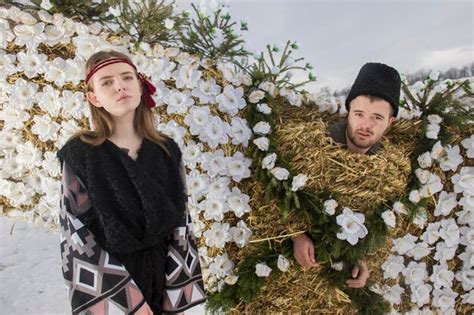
column 338, row 37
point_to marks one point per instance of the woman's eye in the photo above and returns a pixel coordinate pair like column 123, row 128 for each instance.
column 107, row 83
column 129, row 77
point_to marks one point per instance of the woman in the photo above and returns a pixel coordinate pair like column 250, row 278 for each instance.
column 126, row 239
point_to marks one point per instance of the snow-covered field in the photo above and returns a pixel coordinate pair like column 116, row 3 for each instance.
column 30, row 271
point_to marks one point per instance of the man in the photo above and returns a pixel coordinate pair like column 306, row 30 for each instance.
column 372, row 105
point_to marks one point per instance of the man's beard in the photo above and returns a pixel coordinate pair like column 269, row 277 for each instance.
column 351, row 135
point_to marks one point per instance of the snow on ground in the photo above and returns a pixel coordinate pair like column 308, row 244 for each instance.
column 30, row 271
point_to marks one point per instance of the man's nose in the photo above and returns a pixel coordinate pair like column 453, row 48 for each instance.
column 367, row 124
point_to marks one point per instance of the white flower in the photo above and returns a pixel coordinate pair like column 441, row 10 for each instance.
column 275, row 70
column 464, row 181
column 444, row 253
column 399, row 207
column 56, row 71
column 219, row 187
column 29, row 35
column 45, row 128
column 422, row 175
column 214, row 208
column 192, row 154
column 404, row 244
column 419, row 251
column 221, row 266
column 7, row 62
column 414, row 196
column 262, row 143
column 449, row 231
column 231, row 279
column 262, row 270
column 231, row 100
column 264, row 108
column 330, row 206
column 178, row 102
column 13, row 117
column 465, row 217
column 468, row 298
column 241, row 234
column 68, row 129
column 466, row 277
column 421, row 218
column 424, row 160
column 49, row 100
column 283, row 263
column 161, row 68
column 51, row 164
column 239, row 167
column 451, row 160
column 238, row 202
column 256, row 96
column 268, row 87
column 299, row 181
column 217, row 235
column 392, row 267
column 197, row 119
column 295, row 98
column 431, row 234
column 468, row 144
column 280, row 173
column 388, row 217
column 415, row 273
column 442, row 277
column 444, row 299
column 215, row 132
column 338, row 266
column 73, row 104
column 446, row 203
column 268, row 162
column 169, row 24
column 262, row 128
column 434, row 75
column 174, row 131
column 197, row 183
column 352, row 225
column 467, row 238
column 420, row 294
column 433, row 186
column 28, row 155
column 392, row 294
column 31, row 63
column 434, row 119
column 437, row 150
column 214, row 163
column 240, row 131
column 206, row 91
column 186, row 76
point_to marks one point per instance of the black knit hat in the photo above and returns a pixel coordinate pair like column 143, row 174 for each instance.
column 377, row 79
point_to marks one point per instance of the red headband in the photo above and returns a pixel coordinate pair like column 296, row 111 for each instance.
column 148, row 88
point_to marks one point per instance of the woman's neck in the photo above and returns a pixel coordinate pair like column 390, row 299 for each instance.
column 125, row 134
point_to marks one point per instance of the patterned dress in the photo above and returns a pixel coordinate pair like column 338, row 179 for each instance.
column 99, row 283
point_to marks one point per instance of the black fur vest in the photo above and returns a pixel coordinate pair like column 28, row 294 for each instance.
column 136, row 204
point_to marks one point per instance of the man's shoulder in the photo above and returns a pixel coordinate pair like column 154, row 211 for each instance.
column 337, row 131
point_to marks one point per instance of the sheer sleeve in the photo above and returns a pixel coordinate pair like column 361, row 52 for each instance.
column 184, row 286
column 96, row 282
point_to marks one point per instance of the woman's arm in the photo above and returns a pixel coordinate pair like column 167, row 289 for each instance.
column 96, row 282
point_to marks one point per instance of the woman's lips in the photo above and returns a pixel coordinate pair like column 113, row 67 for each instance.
column 123, row 98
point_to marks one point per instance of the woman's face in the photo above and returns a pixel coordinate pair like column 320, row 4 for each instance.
column 116, row 88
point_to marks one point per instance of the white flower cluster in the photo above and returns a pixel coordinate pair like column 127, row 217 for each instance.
column 451, row 233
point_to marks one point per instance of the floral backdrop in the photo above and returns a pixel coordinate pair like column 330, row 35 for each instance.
column 222, row 117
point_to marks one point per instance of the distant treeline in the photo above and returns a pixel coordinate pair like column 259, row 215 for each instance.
column 452, row 73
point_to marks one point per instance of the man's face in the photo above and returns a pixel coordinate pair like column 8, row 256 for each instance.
column 367, row 121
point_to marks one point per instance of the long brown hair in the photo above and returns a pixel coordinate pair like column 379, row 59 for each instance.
column 102, row 121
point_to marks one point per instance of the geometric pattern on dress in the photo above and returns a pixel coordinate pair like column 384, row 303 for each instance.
column 96, row 282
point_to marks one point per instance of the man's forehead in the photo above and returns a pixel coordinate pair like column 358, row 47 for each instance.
column 373, row 106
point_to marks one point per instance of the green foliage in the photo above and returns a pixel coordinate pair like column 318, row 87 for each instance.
column 213, row 37
column 153, row 22
column 268, row 68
